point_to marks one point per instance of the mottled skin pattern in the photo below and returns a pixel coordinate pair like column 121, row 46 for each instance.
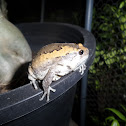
column 54, row 61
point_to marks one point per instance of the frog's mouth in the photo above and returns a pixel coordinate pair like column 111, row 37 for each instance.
column 83, row 61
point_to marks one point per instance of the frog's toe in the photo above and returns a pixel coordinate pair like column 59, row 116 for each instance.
column 47, row 93
column 82, row 69
column 43, row 96
column 52, row 89
column 35, row 86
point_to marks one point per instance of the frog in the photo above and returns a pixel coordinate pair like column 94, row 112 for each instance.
column 54, row 61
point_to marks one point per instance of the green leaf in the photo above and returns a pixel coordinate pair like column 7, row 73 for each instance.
column 101, row 63
column 96, row 82
column 110, row 118
column 125, row 26
column 122, row 4
column 125, row 48
column 102, row 52
column 122, row 19
column 115, row 123
column 107, row 62
column 119, row 114
column 122, row 27
column 124, row 108
column 113, row 8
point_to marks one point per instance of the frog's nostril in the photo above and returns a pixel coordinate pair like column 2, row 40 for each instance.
column 86, row 51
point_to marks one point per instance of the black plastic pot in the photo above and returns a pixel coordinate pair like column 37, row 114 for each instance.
column 21, row 106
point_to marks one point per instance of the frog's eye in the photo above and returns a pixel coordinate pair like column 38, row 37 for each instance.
column 81, row 52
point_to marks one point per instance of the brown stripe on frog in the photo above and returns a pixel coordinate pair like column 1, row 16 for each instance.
column 54, row 50
column 55, row 46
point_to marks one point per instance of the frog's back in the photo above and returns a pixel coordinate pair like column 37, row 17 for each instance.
column 50, row 48
column 52, row 51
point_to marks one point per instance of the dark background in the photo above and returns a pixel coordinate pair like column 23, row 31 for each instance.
column 30, row 10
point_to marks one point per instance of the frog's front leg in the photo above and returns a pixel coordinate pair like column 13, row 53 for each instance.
column 32, row 81
column 82, row 68
column 46, row 84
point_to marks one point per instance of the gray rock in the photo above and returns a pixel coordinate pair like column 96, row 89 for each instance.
column 14, row 50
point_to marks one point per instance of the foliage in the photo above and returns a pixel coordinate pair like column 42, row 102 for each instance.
column 111, row 40
column 108, row 71
column 115, row 121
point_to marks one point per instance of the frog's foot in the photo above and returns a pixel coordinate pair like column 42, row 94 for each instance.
column 82, row 68
column 34, row 84
column 56, row 77
column 47, row 93
column 33, row 81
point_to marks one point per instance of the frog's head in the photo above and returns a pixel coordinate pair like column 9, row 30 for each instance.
column 76, row 56
column 81, row 55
